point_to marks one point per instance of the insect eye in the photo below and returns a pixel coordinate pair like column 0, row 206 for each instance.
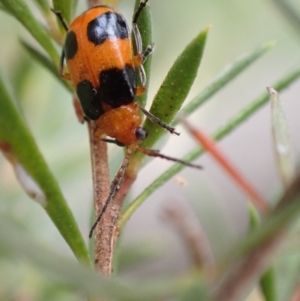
column 141, row 134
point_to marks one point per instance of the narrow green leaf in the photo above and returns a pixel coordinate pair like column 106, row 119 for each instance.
column 66, row 7
column 228, row 74
column 5, row 9
column 232, row 124
column 172, row 94
column 44, row 6
column 267, row 281
column 23, row 14
column 196, row 292
column 45, row 62
column 22, row 69
column 268, row 285
column 18, row 143
column 254, row 218
column 175, row 87
column 281, row 138
column 145, row 26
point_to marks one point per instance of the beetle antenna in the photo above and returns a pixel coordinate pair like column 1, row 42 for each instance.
column 114, row 187
column 156, row 153
column 60, row 18
column 156, row 120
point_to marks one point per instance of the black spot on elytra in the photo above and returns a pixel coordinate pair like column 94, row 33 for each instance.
column 106, row 26
column 117, row 86
column 71, row 45
column 89, row 100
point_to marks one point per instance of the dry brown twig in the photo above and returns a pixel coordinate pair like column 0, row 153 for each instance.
column 192, row 235
column 106, row 232
column 248, row 270
column 101, row 191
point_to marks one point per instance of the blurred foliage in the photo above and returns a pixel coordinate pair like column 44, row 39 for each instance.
column 41, row 112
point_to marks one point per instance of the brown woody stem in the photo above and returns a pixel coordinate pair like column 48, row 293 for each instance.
column 106, row 232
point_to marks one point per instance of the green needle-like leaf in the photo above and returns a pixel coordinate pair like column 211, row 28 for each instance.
column 227, row 75
column 20, row 147
column 172, row 94
column 254, row 219
column 268, row 284
column 23, row 14
column 175, row 87
column 232, row 124
column 267, row 281
column 196, row 292
column 4, row 8
column 282, row 141
column 45, row 62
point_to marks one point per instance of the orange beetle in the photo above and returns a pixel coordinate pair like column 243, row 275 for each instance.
column 103, row 69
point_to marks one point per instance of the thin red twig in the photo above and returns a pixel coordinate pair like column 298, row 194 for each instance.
column 211, row 147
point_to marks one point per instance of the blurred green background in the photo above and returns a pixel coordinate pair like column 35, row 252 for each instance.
column 237, row 27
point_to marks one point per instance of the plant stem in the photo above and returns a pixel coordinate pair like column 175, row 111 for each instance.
column 104, row 232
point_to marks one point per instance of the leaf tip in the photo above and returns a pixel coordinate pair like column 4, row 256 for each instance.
column 273, row 93
column 208, row 28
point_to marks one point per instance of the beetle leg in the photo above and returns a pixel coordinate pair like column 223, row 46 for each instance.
column 62, row 57
column 141, row 89
column 61, row 67
column 60, row 18
column 140, row 57
column 148, row 51
column 98, row 132
column 138, row 11
column 65, row 75
column 138, row 61
column 115, row 186
column 135, row 29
